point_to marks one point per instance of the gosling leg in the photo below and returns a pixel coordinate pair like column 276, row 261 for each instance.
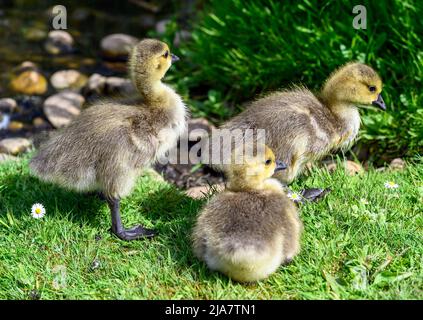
column 133, row 233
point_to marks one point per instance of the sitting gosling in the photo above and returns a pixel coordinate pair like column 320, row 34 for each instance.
column 107, row 145
column 301, row 126
column 251, row 228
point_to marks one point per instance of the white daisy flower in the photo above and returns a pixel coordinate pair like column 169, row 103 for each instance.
column 391, row 185
column 296, row 197
column 38, row 211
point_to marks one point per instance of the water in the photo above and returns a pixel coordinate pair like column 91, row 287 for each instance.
column 23, row 23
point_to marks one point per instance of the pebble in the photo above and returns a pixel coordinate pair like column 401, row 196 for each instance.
column 30, row 82
column 351, row 167
column 68, row 79
column 8, row 105
column 200, row 123
column 59, row 42
column 397, row 164
column 116, row 85
column 202, row 191
column 15, row 126
column 189, row 137
column 61, row 108
column 39, row 122
column 117, row 45
column 14, row 146
column 95, row 85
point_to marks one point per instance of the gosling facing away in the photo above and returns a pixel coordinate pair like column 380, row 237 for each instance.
column 251, row 228
column 107, row 145
column 300, row 126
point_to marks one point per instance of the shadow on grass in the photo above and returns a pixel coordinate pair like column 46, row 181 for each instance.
column 171, row 212
column 174, row 215
column 19, row 192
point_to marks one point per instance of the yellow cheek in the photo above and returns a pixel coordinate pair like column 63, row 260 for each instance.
column 270, row 170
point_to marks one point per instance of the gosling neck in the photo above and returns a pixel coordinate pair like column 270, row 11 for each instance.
column 240, row 184
column 343, row 110
column 153, row 92
column 347, row 119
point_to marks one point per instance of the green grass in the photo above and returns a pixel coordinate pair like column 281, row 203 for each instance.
column 241, row 49
column 349, row 250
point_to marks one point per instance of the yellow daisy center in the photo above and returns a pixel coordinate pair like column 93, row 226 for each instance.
column 38, row 210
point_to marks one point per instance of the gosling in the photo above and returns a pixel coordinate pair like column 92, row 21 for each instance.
column 302, row 127
column 105, row 148
column 251, row 228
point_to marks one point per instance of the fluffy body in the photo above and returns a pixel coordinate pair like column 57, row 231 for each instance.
column 302, row 127
column 105, row 148
column 250, row 229
column 109, row 143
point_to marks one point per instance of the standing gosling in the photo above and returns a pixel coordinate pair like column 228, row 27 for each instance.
column 250, row 229
column 301, row 126
column 105, row 148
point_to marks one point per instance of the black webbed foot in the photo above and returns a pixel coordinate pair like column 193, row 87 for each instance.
column 137, row 232
column 314, row 194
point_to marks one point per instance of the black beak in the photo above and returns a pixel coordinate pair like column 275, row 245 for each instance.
column 174, row 57
column 379, row 103
column 280, row 166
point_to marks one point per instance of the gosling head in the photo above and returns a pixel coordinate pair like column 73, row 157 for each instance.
column 250, row 171
column 149, row 61
column 356, row 84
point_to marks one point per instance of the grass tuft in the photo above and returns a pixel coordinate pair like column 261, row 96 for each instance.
column 350, row 250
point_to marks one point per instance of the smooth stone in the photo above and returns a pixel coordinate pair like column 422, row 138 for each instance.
column 14, row 146
column 351, row 167
column 25, row 66
column 61, row 108
column 59, row 42
column 29, row 82
column 200, row 123
column 196, row 128
column 39, row 122
column 15, row 126
column 68, row 79
column 397, row 164
column 117, row 45
column 116, row 85
column 95, row 85
column 202, row 191
column 8, row 105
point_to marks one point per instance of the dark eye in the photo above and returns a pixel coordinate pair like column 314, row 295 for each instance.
column 268, row 162
column 166, row 54
column 372, row 88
